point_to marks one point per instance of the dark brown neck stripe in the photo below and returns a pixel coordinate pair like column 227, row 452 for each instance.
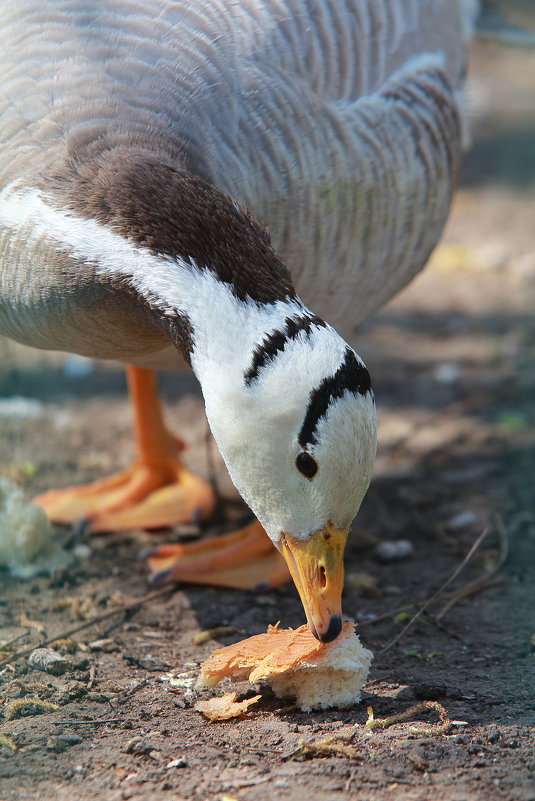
column 158, row 205
column 276, row 340
column 351, row 376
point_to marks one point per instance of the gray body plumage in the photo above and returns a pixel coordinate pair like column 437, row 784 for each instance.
column 336, row 123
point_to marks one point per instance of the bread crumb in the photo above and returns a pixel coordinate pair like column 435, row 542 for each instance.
column 225, row 706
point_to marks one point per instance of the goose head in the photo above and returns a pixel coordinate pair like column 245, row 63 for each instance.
column 298, row 434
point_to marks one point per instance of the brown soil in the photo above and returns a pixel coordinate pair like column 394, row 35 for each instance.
column 453, row 361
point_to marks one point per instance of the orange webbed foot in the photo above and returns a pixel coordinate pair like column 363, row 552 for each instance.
column 155, row 492
column 244, row 559
column 138, row 497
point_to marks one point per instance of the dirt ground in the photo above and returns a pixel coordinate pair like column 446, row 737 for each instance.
column 453, row 365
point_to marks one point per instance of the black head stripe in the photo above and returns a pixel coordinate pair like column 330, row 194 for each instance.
column 351, row 376
column 276, row 340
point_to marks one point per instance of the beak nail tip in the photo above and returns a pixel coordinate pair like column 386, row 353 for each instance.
column 333, row 631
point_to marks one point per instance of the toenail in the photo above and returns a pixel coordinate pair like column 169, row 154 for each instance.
column 145, row 553
column 264, row 585
column 196, row 515
column 80, row 527
column 162, row 577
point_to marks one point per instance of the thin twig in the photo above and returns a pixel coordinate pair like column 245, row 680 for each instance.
column 97, row 619
column 10, row 642
column 439, row 592
column 487, row 580
column 482, row 583
column 349, row 782
column 251, row 783
column 92, row 722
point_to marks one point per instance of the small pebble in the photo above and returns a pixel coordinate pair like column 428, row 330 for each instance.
column 394, row 550
column 137, row 745
column 177, row 763
column 107, row 645
column 446, row 373
column 60, row 742
column 82, row 551
column 462, row 519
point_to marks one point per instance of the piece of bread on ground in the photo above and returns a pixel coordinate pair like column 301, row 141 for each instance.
column 225, row 707
column 295, row 664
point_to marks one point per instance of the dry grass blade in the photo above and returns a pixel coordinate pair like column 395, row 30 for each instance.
column 441, row 727
column 439, row 592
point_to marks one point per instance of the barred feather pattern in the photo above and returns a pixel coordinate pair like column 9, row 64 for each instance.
column 336, row 123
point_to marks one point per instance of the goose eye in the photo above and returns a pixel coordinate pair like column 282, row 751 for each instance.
column 306, row 464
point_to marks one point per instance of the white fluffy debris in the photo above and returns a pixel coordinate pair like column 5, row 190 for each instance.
column 49, row 661
column 21, row 408
column 27, row 544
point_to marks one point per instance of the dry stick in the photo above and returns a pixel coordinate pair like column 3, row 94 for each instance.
column 14, row 639
column 484, row 581
column 252, row 783
column 472, row 587
column 439, row 592
column 97, row 619
column 91, row 722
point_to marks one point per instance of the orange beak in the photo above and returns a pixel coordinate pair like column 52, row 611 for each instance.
column 317, row 568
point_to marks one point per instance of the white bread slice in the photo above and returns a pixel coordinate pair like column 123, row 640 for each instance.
column 295, row 664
